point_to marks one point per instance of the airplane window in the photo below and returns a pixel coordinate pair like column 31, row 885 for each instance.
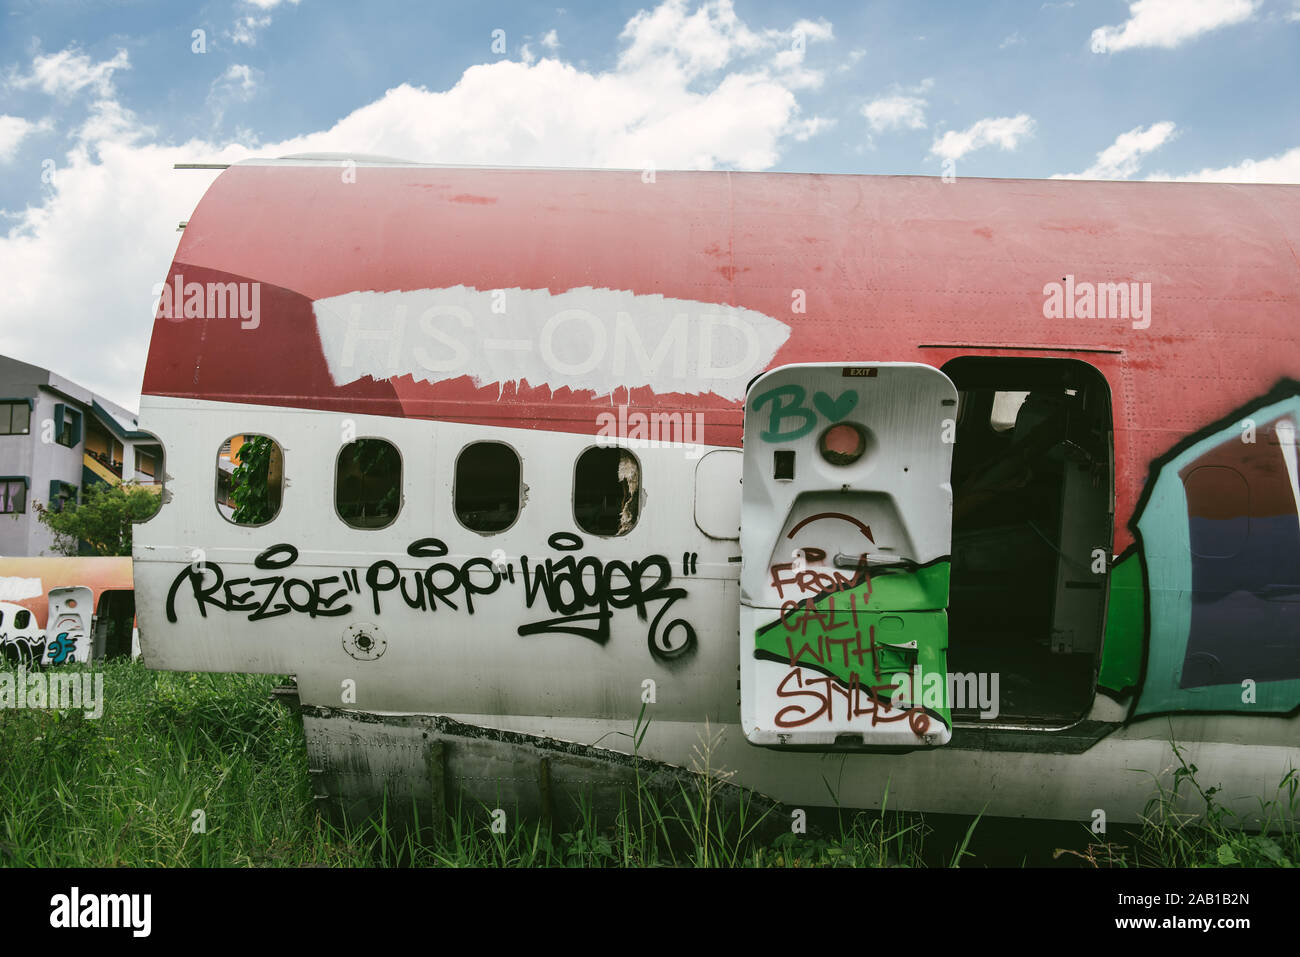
column 250, row 479
column 368, row 483
column 607, row 491
column 487, row 487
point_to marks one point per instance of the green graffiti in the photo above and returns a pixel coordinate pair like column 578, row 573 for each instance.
column 1121, row 655
column 787, row 402
column 835, row 409
column 781, row 410
column 846, row 635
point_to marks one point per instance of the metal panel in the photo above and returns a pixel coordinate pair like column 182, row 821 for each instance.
column 845, row 536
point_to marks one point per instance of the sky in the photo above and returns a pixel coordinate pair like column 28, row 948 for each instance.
column 98, row 100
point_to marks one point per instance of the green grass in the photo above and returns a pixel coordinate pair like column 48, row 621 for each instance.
column 122, row 791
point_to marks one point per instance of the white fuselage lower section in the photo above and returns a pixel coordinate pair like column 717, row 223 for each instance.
column 545, row 629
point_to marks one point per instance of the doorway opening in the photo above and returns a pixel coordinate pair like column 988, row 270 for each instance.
column 114, row 623
column 1033, row 519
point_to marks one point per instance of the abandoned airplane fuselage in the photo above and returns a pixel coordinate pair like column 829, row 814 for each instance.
column 500, row 462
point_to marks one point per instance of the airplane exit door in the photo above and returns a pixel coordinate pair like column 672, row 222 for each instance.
column 845, row 536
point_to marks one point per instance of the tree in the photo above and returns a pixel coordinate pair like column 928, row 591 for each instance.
column 103, row 520
column 250, row 485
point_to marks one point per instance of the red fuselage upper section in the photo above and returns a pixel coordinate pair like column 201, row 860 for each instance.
column 859, row 268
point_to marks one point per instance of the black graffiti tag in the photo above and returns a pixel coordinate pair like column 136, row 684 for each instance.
column 581, row 592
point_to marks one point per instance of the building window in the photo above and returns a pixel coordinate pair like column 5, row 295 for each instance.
column 145, row 464
column 149, row 473
column 250, row 479
column 607, row 491
column 60, row 494
column 103, row 448
column 488, row 487
column 67, row 425
column 13, row 496
column 15, row 417
column 368, row 483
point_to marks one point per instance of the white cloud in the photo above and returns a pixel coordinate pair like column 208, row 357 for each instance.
column 237, row 85
column 903, row 109
column 1004, row 132
column 1294, row 15
column 551, row 41
column 1011, row 41
column 13, row 130
column 1283, row 168
column 241, row 79
column 1167, row 23
column 806, row 129
column 850, row 61
column 1122, row 158
column 668, row 39
column 687, row 93
column 71, row 71
column 670, row 45
column 244, row 31
column 792, row 48
column 895, row 113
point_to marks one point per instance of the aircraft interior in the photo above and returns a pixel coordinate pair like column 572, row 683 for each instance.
column 1032, row 513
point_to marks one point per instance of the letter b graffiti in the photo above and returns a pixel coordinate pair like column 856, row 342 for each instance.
column 787, row 403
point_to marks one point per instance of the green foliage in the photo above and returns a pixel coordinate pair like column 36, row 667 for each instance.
column 250, row 487
column 121, row 791
column 103, row 520
column 1216, row 837
column 1185, row 826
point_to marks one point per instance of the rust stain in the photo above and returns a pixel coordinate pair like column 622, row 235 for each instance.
column 471, row 198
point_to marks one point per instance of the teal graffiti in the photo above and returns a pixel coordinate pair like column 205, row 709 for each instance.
column 62, row 649
column 835, row 409
column 1163, row 523
column 787, row 402
column 791, row 409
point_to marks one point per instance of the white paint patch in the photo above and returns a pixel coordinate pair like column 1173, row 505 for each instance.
column 584, row 339
column 1286, row 437
column 16, row 589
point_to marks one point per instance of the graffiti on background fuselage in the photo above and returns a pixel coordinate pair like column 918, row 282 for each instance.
column 63, row 649
column 581, row 593
column 21, row 649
